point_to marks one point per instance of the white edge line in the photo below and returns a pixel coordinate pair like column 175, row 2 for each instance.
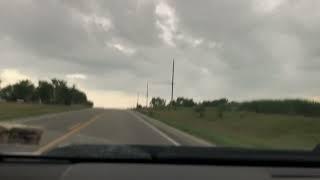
column 155, row 129
column 194, row 138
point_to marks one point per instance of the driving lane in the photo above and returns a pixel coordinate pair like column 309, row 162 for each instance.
column 101, row 126
column 121, row 127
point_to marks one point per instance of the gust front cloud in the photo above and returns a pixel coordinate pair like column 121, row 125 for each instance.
column 242, row 49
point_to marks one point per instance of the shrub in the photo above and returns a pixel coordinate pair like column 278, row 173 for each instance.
column 221, row 110
column 200, row 110
column 290, row 107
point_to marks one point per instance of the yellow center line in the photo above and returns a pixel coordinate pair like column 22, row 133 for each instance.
column 74, row 126
column 72, row 131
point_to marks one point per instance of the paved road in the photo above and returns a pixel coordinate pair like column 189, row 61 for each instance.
column 102, row 126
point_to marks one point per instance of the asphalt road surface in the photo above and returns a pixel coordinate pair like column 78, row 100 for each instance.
column 101, row 126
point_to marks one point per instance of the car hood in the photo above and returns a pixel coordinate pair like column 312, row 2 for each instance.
column 182, row 154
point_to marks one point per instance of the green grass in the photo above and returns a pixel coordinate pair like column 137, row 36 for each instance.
column 9, row 111
column 246, row 129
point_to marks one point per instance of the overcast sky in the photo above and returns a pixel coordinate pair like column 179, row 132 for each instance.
column 242, row 50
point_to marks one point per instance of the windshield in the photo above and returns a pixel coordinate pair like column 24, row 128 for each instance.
column 210, row 73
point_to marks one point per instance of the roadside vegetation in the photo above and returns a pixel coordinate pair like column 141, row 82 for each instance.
column 24, row 99
column 54, row 92
column 9, row 111
column 270, row 124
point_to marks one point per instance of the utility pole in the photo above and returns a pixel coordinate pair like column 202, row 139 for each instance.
column 138, row 99
column 147, row 99
column 172, row 81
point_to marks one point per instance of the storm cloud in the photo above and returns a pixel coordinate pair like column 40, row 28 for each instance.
column 244, row 49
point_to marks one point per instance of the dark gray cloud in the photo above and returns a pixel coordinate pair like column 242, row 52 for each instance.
column 241, row 49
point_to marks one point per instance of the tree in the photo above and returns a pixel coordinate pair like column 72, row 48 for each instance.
column 54, row 92
column 285, row 106
column 172, row 103
column 0, row 89
column 185, row 102
column 61, row 93
column 7, row 93
column 215, row 103
column 220, row 111
column 45, row 92
column 89, row 103
column 157, row 102
column 23, row 90
column 77, row 96
column 139, row 107
column 200, row 109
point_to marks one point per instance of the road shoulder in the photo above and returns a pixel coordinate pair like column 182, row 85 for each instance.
column 181, row 137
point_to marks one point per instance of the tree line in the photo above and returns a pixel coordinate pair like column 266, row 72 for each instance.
column 286, row 106
column 46, row 92
column 157, row 102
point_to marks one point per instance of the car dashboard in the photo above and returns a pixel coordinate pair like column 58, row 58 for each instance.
column 130, row 171
column 83, row 162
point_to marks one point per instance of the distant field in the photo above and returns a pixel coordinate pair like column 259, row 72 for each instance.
column 13, row 110
column 245, row 129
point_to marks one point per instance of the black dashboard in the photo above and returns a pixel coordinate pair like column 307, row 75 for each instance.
column 123, row 171
column 84, row 162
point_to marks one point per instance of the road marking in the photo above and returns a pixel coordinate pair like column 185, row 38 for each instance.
column 154, row 128
column 55, row 142
column 74, row 126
